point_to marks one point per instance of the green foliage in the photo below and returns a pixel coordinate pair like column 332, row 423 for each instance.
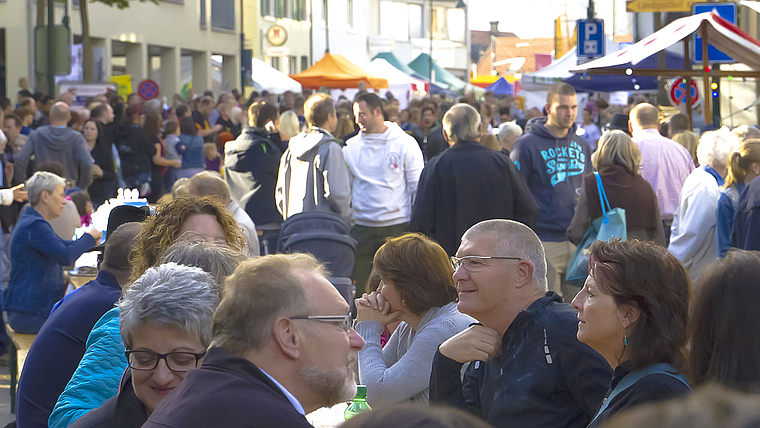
column 120, row 4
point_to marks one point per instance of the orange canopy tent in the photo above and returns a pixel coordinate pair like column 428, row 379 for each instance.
column 335, row 71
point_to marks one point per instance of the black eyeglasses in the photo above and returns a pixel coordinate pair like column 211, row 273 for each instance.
column 175, row 361
column 344, row 320
column 475, row 263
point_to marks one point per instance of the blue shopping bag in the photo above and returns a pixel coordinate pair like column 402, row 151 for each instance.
column 610, row 225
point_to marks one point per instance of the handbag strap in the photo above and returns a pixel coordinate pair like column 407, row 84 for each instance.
column 631, row 378
column 602, row 195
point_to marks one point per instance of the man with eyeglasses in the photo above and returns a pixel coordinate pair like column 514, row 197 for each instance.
column 283, row 347
column 526, row 366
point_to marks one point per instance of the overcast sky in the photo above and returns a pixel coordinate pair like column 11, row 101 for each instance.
column 535, row 18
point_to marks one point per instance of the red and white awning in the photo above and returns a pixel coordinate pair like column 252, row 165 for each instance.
column 722, row 34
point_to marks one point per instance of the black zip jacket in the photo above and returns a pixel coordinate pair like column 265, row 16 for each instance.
column 544, row 377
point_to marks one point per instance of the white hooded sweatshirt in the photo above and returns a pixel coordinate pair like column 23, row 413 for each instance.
column 384, row 170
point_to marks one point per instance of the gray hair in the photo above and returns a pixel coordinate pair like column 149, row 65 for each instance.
column 716, row 146
column 509, row 128
column 42, row 181
column 193, row 249
column 461, row 123
column 170, row 294
column 515, row 239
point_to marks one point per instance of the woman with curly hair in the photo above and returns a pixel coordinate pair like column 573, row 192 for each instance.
column 188, row 230
column 206, row 216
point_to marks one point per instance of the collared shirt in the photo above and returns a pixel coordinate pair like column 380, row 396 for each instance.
column 665, row 164
column 293, row 400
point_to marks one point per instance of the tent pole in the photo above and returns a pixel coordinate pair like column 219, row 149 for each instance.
column 706, row 76
column 687, row 66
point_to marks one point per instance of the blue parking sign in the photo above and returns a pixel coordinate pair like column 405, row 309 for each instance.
column 590, row 38
column 726, row 11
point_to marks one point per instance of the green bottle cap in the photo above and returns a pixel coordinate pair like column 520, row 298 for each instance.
column 361, row 392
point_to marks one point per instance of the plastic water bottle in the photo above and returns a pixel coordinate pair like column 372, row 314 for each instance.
column 359, row 405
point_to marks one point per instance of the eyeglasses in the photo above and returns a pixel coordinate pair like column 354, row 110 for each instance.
column 175, row 361
column 475, row 263
column 344, row 320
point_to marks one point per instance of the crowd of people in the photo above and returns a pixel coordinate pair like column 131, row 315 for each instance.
column 465, row 218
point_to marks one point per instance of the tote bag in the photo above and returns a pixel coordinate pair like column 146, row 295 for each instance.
column 610, row 225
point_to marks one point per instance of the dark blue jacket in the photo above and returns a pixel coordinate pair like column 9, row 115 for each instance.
column 228, row 392
column 543, row 377
column 37, row 259
column 747, row 228
column 553, row 169
column 59, row 346
column 725, row 215
column 465, row 185
column 652, row 388
column 190, row 147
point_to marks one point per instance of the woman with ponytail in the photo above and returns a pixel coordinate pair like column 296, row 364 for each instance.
column 743, row 167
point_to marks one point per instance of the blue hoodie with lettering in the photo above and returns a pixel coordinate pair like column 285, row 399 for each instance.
column 553, row 168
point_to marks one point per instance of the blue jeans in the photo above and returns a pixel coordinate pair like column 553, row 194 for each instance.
column 24, row 323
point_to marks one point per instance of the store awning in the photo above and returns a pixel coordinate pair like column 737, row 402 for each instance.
column 335, row 71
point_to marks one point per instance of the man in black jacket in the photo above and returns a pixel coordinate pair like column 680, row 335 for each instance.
column 468, row 183
column 251, row 163
column 104, row 187
column 527, row 368
column 283, row 347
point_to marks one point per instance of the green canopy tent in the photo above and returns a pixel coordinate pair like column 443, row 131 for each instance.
column 443, row 77
column 394, row 61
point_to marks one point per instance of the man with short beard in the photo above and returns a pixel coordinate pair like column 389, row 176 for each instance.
column 283, row 347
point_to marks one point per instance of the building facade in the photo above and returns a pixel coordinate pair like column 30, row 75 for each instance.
column 145, row 40
column 406, row 26
column 294, row 34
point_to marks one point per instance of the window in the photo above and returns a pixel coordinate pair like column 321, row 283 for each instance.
column 439, row 22
column 350, row 13
column 416, row 26
column 298, row 10
column 266, row 7
column 203, row 13
column 275, row 62
column 279, row 8
column 394, row 20
column 223, row 14
column 455, row 21
column 304, row 62
column 292, row 64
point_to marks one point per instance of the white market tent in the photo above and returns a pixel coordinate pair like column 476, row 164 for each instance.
column 400, row 84
column 271, row 79
column 713, row 29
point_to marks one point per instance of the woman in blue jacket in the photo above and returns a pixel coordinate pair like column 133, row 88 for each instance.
column 190, row 147
column 38, row 255
column 743, row 167
column 633, row 310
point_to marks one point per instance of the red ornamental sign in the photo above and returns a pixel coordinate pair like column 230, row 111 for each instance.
column 148, row 90
column 677, row 92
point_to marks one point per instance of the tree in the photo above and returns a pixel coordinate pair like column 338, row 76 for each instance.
column 84, row 12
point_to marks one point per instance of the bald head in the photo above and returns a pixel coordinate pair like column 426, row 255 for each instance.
column 60, row 114
column 460, row 123
column 645, row 116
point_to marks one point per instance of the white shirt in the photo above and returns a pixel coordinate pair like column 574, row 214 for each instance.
column 292, row 398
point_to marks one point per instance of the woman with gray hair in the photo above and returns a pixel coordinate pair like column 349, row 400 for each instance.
column 38, row 255
column 97, row 377
column 692, row 236
column 165, row 322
